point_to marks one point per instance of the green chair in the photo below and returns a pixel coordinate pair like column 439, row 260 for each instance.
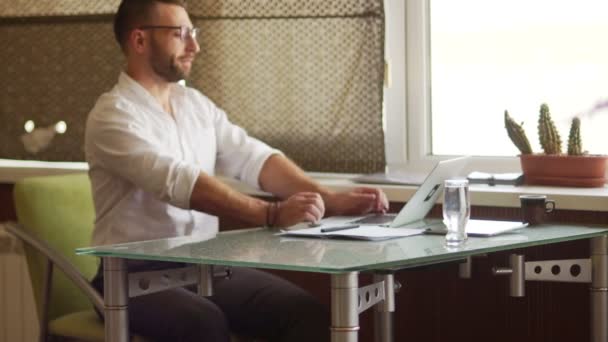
column 55, row 217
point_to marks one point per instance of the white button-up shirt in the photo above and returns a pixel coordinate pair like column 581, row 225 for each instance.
column 143, row 162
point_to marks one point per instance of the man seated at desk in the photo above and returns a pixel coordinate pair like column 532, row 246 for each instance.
column 153, row 147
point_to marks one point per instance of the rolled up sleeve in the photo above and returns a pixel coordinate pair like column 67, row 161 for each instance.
column 121, row 146
column 239, row 155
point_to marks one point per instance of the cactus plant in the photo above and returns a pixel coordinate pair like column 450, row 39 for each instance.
column 578, row 168
column 517, row 134
column 547, row 133
column 549, row 137
column 574, row 138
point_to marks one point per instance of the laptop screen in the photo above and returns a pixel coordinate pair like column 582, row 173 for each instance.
column 425, row 197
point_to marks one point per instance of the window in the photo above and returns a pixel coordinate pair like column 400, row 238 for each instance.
column 467, row 61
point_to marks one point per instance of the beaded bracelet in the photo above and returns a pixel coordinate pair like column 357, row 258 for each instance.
column 275, row 214
column 268, row 224
column 271, row 214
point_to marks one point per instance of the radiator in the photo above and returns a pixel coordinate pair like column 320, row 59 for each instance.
column 18, row 318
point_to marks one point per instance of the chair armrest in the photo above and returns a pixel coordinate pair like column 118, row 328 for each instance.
column 59, row 261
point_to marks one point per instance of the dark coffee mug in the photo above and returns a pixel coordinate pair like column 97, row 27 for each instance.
column 534, row 208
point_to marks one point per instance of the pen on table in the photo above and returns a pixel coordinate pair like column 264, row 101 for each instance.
column 337, row 228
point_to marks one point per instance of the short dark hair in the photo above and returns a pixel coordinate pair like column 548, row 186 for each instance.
column 132, row 13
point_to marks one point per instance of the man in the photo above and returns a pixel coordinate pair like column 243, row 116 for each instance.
column 153, row 148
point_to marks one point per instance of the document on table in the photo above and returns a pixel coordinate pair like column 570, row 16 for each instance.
column 367, row 232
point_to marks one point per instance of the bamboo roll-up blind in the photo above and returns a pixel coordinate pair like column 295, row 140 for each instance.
column 304, row 76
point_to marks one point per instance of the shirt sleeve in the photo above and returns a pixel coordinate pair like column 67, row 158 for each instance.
column 119, row 144
column 239, row 155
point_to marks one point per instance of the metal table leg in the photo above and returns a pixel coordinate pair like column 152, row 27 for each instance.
column 344, row 307
column 599, row 289
column 205, row 280
column 383, row 311
column 116, row 297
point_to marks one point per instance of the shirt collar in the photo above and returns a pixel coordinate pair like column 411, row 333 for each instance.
column 127, row 84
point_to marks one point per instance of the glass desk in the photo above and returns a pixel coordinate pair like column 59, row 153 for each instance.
column 342, row 259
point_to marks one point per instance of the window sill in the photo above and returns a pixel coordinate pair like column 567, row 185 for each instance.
column 590, row 199
column 593, row 199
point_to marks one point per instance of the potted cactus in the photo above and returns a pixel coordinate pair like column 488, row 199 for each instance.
column 576, row 168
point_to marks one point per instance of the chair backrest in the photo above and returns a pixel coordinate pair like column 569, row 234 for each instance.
column 59, row 211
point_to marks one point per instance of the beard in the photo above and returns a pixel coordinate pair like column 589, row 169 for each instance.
column 166, row 66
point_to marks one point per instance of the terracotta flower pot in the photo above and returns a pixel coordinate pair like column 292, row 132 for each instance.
column 586, row 171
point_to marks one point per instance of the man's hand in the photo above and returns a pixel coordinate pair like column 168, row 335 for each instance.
column 300, row 207
column 356, row 202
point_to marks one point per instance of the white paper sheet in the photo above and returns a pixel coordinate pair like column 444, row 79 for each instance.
column 373, row 233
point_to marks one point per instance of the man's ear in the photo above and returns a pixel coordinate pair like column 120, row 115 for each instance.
column 137, row 40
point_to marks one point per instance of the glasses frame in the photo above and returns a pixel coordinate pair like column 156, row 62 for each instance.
column 185, row 32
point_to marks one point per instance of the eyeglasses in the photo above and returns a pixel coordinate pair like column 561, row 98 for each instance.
column 185, row 32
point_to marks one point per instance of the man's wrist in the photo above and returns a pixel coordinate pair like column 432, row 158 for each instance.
column 328, row 200
column 272, row 214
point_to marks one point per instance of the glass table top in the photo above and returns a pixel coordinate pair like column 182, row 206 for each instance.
column 261, row 248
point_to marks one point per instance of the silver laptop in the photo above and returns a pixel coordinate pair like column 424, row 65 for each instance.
column 415, row 210
column 413, row 213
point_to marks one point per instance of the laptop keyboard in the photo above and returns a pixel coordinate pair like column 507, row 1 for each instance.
column 376, row 219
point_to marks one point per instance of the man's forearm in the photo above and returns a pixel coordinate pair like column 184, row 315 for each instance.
column 216, row 198
column 283, row 178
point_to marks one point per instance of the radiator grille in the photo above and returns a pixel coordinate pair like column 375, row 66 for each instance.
column 18, row 318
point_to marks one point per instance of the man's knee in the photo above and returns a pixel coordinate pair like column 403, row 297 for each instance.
column 177, row 316
column 202, row 324
column 305, row 305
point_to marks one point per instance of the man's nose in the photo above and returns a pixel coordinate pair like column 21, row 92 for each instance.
column 192, row 45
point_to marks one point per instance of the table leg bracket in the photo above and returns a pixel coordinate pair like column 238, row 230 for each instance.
column 380, row 294
column 370, row 295
column 572, row 271
column 142, row 283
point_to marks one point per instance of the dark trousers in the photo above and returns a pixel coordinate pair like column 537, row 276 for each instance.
column 251, row 303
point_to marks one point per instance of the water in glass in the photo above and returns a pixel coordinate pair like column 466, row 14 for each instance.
column 456, row 211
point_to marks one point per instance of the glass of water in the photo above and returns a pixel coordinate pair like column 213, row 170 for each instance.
column 456, row 211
